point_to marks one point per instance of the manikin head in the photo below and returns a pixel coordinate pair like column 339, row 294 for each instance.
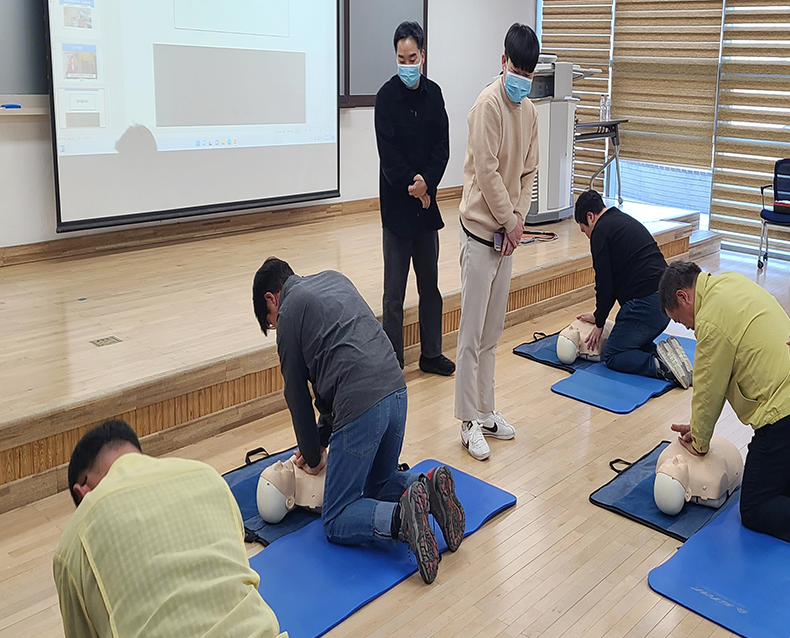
column 95, row 453
column 568, row 344
column 276, row 495
column 671, row 489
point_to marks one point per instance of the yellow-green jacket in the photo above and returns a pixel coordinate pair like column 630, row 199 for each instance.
column 742, row 355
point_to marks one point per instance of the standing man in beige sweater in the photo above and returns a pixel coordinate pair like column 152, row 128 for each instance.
column 499, row 171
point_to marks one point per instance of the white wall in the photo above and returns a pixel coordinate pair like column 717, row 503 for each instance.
column 465, row 42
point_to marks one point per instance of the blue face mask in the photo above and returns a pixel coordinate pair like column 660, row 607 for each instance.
column 410, row 74
column 517, row 87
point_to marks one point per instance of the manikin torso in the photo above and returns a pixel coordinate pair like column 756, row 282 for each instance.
column 283, row 486
column 571, row 343
column 706, row 480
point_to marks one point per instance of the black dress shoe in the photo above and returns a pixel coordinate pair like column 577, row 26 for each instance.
column 440, row 365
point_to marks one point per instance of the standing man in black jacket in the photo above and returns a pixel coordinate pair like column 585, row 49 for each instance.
column 412, row 133
column 628, row 268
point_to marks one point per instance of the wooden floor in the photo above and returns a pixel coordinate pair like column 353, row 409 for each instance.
column 554, row 566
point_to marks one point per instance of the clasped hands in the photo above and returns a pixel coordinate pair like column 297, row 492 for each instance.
column 419, row 189
column 301, row 462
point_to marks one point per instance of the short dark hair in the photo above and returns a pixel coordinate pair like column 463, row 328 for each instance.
column 680, row 275
column 411, row 30
column 522, row 47
column 588, row 202
column 271, row 277
column 106, row 436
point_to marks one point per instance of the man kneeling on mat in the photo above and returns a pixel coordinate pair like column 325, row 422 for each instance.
column 628, row 267
column 155, row 548
column 742, row 357
column 328, row 335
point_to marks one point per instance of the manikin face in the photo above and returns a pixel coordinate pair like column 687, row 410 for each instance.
column 683, row 313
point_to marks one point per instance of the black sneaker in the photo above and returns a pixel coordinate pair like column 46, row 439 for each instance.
column 440, row 365
column 663, row 372
column 445, row 506
column 415, row 529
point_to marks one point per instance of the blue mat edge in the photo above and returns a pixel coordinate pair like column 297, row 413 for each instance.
column 600, row 407
column 431, row 463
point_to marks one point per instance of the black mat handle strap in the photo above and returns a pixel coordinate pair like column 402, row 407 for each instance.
column 619, row 462
column 256, row 451
column 537, row 336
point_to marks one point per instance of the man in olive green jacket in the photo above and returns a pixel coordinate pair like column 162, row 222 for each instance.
column 741, row 356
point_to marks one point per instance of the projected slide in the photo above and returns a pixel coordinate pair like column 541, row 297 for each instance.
column 174, row 107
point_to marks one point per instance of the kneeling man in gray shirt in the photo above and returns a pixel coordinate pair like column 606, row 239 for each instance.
column 328, row 336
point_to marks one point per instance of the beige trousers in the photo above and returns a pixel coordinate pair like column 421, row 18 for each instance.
column 485, row 286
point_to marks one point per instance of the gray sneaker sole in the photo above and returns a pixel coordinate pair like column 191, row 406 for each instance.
column 668, row 356
column 688, row 367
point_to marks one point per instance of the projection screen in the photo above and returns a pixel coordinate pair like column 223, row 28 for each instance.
column 167, row 108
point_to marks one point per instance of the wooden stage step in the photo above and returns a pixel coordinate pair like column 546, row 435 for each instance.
column 189, row 361
column 703, row 243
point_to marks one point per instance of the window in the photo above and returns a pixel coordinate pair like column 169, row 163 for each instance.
column 367, row 59
column 580, row 31
column 753, row 118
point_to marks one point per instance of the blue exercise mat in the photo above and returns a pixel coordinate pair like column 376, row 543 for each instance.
column 243, row 483
column 734, row 577
column 543, row 349
column 630, row 494
column 595, row 384
column 329, row 582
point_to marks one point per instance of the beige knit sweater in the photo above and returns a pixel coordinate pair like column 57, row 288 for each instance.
column 501, row 162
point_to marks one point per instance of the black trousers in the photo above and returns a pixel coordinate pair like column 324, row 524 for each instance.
column 399, row 254
column 765, row 492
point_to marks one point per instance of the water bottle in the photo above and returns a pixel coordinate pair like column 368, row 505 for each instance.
column 608, row 108
column 602, row 110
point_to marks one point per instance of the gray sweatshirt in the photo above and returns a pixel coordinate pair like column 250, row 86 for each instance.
column 329, row 336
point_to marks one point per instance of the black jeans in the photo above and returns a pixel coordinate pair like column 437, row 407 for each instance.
column 399, row 253
column 765, row 492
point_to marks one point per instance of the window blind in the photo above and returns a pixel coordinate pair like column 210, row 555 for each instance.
column 753, row 118
column 665, row 69
column 580, row 31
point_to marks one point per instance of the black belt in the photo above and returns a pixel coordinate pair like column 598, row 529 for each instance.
column 480, row 240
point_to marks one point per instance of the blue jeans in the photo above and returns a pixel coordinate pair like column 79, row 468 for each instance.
column 630, row 347
column 363, row 484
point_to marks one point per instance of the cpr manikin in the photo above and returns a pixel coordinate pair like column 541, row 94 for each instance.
column 705, row 480
column 283, row 486
column 571, row 342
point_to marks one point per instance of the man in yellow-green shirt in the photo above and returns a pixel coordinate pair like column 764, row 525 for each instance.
column 155, row 548
column 741, row 356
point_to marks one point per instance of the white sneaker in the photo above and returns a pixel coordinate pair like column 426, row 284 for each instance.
column 494, row 425
column 473, row 440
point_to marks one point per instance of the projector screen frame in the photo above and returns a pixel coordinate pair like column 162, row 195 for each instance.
column 174, row 213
